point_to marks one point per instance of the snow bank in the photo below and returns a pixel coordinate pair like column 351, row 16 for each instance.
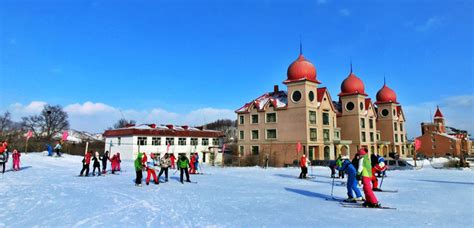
column 47, row 192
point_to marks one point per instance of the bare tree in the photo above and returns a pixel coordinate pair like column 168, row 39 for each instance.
column 121, row 123
column 5, row 123
column 52, row 120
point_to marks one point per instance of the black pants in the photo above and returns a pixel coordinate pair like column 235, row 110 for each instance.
column 139, row 177
column 3, row 170
column 184, row 170
column 58, row 152
column 166, row 173
column 341, row 174
column 104, row 165
column 85, row 167
column 96, row 167
column 304, row 171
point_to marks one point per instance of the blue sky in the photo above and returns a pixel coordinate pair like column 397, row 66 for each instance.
column 194, row 61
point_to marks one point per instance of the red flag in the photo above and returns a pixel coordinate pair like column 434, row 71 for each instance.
column 65, row 135
column 298, row 147
column 29, row 134
column 417, row 144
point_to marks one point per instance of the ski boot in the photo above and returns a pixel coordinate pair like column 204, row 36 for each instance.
column 350, row 200
column 376, row 189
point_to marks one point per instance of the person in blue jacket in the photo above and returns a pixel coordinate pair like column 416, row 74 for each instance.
column 49, row 149
column 345, row 165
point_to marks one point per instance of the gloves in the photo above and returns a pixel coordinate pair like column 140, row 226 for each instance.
column 359, row 183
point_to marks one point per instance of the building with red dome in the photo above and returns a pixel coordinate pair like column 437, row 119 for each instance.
column 276, row 122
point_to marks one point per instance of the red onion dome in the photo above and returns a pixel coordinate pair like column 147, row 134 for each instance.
column 301, row 69
column 386, row 95
column 352, row 85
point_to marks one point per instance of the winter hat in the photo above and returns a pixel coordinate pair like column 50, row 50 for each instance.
column 345, row 157
column 381, row 159
column 362, row 152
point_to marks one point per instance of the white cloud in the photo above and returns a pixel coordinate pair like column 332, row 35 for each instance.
column 429, row 24
column 88, row 108
column 457, row 110
column 34, row 107
column 345, row 12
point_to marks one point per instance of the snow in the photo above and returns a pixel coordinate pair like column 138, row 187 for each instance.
column 47, row 192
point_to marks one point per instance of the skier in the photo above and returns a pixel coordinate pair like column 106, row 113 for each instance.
column 332, row 166
column 58, row 148
column 96, row 164
column 49, row 149
column 183, row 163
column 16, row 160
column 173, row 159
column 196, row 163
column 344, row 165
column 378, row 168
column 192, row 169
column 164, row 164
column 355, row 161
column 382, row 172
column 113, row 162
column 150, row 169
column 139, row 168
column 364, row 173
column 85, row 163
column 341, row 173
column 118, row 162
column 105, row 158
column 304, row 167
column 3, row 155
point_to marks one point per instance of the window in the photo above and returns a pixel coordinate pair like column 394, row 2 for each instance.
column 205, row 142
column 363, row 137
column 215, row 142
column 194, row 141
column 336, row 134
column 255, row 118
column 312, row 117
column 241, row 120
column 371, row 123
column 371, row 136
column 119, row 140
column 313, row 134
column 403, row 150
column 401, row 126
column 361, row 106
column 254, row 150
column 384, row 112
column 395, row 126
column 296, row 96
column 141, row 141
column 241, row 135
column 241, row 150
column 182, row 141
column 254, row 134
column 326, row 134
column 311, row 96
column 155, row 141
column 362, row 122
column 394, row 113
column 401, row 138
column 271, row 118
column 396, row 137
column 325, row 118
column 350, row 106
column 378, row 137
column 169, row 141
column 271, row 134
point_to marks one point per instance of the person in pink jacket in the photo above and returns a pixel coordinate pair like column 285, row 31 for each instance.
column 118, row 161
column 16, row 160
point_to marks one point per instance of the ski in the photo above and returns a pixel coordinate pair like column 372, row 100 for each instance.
column 359, row 205
column 392, row 191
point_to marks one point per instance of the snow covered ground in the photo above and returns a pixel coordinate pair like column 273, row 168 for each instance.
column 48, row 192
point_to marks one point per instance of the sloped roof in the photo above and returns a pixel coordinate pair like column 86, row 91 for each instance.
column 279, row 100
column 163, row 130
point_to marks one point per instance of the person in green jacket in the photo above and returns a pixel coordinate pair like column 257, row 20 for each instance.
column 139, row 168
column 183, row 164
column 364, row 173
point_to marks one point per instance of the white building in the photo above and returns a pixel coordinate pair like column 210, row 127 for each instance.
column 155, row 139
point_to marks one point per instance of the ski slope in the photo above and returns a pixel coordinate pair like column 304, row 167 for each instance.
column 48, row 192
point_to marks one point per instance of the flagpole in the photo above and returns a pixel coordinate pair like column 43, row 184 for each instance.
column 26, row 146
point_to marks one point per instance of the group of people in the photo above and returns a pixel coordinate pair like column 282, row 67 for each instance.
column 362, row 170
column 96, row 162
column 57, row 149
column 4, row 155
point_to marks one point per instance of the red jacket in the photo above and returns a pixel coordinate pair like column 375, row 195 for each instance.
column 87, row 158
column 16, row 155
column 303, row 162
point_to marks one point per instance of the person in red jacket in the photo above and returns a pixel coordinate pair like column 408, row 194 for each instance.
column 173, row 159
column 304, row 167
column 3, row 155
column 16, row 160
column 379, row 168
column 85, row 163
column 192, row 169
column 118, row 162
column 151, row 168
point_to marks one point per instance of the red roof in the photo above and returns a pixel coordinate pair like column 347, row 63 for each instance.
column 368, row 102
column 438, row 113
column 386, row 95
column 321, row 91
column 352, row 85
column 300, row 70
column 163, row 132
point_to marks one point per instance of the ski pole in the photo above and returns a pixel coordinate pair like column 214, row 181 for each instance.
column 332, row 188
column 381, row 182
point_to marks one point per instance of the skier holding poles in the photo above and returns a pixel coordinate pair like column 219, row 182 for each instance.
column 344, row 165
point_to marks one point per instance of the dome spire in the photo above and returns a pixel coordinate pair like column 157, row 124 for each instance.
column 301, row 46
column 351, row 65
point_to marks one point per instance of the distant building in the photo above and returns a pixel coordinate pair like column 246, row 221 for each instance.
column 439, row 140
column 155, row 139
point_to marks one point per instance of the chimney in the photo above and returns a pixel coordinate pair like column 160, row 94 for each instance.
column 169, row 126
column 185, row 127
column 152, row 125
column 275, row 89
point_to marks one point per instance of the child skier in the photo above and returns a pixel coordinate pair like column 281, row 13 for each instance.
column 3, row 156
column 16, row 160
column 378, row 168
column 49, row 149
column 183, row 164
column 113, row 162
column 344, row 165
column 164, row 164
column 192, row 169
column 105, row 158
column 364, row 173
column 96, row 164
column 85, row 163
column 196, row 162
column 118, row 162
column 151, row 168
column 139, row 169
column 173, row 159
column 304, row 167
column 58, row 148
